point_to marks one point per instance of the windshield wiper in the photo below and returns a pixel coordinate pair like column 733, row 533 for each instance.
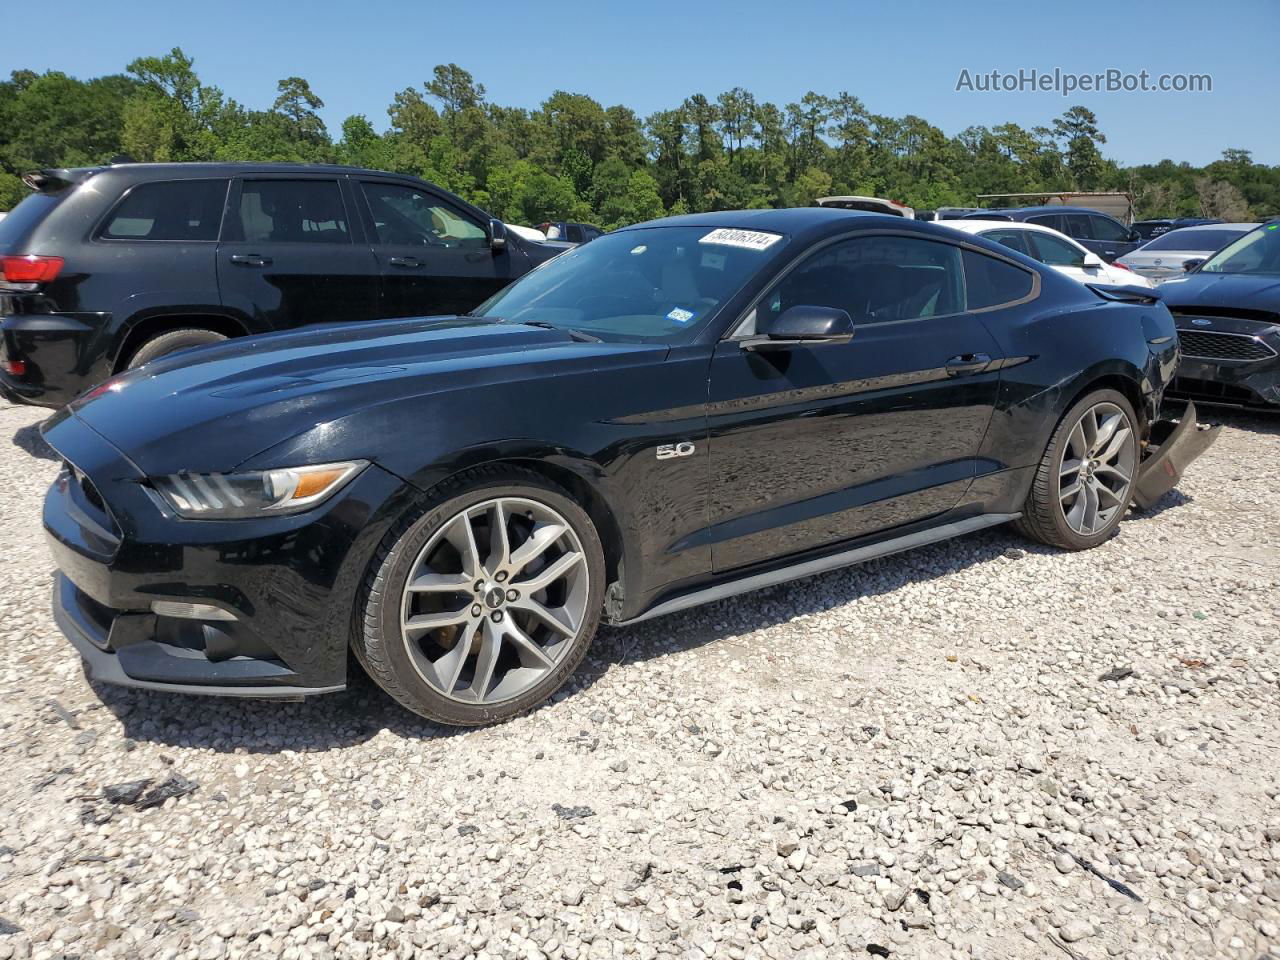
column 579, row 335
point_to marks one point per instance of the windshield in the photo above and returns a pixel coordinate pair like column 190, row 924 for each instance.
column 1256, row 252
column 1193, row 240
column 651, row 284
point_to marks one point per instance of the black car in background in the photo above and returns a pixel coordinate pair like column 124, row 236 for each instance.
column 1104, row 235
column 671, row 414
column 1149, row 229
column 1228, row 316
column 106, row 268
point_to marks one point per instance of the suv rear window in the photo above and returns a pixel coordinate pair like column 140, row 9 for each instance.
column 184, row 210
column 30, row 210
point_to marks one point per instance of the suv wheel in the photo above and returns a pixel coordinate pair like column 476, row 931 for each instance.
column 171, row 342
column 482, row 606
column 1083, row 486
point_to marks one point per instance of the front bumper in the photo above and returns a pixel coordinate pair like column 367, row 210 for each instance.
column 1173, row 446
column 1228, row 362
column 290, row 582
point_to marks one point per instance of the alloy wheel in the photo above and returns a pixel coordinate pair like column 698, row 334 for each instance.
column 1096, row 472
column 494, row 600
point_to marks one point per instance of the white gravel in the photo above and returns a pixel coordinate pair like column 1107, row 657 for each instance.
column 914, row 758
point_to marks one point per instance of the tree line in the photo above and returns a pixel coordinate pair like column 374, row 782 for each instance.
column 576, row 159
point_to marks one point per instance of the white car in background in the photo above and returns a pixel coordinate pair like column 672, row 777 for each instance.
column 1051, row 248
column 1163, row 257
column 868, row 205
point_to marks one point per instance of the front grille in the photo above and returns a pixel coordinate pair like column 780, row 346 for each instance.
column 1210, row 345
column 1212, row 391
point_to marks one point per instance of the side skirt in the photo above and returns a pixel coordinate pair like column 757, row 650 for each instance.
column 834, row 561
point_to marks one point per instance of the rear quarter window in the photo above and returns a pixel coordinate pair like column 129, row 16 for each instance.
column 990, row 282
column 183, row 210
column 23, row 218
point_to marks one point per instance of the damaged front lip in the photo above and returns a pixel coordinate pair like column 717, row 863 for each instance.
column 1174, row 445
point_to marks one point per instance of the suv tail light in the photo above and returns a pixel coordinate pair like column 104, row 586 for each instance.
column 29, row 269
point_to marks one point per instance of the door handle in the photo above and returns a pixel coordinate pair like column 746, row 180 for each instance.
column 404, row 261
column 967, row 363
column 250, row 259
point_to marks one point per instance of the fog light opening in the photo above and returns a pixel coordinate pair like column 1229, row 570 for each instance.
column 190, row 611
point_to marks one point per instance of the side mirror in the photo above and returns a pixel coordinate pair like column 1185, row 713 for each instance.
column 497, row 235
column 803, row 325
column 1091, row 260
column 1193, row 263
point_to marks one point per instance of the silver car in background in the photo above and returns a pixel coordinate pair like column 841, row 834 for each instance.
column 1164, row 256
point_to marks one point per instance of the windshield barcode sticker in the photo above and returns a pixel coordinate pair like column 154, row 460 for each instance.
column 746, row 239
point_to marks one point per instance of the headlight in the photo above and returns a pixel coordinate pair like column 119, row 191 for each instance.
column 225, row 496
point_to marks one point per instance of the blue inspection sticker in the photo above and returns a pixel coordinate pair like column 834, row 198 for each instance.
column 680, row 315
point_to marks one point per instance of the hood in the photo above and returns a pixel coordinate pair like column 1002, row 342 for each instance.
column 212, row 408
column 1228, row 291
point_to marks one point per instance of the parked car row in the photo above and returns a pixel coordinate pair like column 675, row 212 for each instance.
column 1174, row 252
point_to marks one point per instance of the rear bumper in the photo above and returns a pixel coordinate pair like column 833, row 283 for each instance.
column 61, row 355
column 1174, row 445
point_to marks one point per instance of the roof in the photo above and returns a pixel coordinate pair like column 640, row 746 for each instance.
column 799, row 222
column 975, row 226
column 223, row 168
column 1045, row 208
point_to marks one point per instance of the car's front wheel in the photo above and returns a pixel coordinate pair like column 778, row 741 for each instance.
column 1084, row 482
column 482, row 606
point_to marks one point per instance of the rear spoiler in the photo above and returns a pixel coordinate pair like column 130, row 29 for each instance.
column 50, row 180
column 1123, row 293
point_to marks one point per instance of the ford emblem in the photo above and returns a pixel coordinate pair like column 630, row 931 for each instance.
column 1201, row 321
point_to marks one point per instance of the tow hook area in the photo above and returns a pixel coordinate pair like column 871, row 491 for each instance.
column 1173, row 446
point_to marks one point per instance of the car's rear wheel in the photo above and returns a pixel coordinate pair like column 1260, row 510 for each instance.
column 1084, row 483
column 483, row 605
column 171, row 342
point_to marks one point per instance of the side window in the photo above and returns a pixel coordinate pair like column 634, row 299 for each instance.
column 293, row 211
column 1054, row 221
column 575, row 233
column 173, row 210
column 404, row 215
column 1013, row 239
column 1108, row 230
column 1056, row 252
column 1078, row 226
column 875, row 279
column 989, row 281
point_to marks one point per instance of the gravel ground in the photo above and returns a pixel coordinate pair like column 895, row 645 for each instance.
column 919, row 757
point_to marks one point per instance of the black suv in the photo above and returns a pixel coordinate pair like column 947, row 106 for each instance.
column 105, row 268
column 1105, row 236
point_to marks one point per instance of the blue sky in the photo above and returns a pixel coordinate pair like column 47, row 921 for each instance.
column 899, row 58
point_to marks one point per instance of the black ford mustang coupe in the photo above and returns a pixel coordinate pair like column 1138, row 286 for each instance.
column 674, row 413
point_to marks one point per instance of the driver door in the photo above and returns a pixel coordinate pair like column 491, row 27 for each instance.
column 433, row 257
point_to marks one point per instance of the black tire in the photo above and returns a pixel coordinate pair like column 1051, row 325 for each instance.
column 378, row 642
column 171, row 342
column 1043, row 517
